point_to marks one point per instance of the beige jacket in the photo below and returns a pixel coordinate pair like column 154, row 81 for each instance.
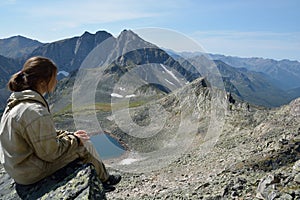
column 32, row 148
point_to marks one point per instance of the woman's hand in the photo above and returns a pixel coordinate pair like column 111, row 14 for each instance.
column 82, row 135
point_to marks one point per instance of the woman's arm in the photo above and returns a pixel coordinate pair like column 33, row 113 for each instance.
column 43, row 138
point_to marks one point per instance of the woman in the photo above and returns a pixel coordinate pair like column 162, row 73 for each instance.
column 32, row 148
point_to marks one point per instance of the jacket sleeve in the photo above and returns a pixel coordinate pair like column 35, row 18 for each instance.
column 47, row 145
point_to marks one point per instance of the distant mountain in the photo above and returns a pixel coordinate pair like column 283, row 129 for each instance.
column 254, row 87
column 18, row 46
column 286, row 73
column 294, row 93
column 8, row 66
column 68, row 54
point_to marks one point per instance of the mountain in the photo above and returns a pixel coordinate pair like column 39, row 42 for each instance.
column 294, row 93
column 68, row 54
column 260, row 84
column 127, row 50
column 253, row 87
column 256, row 148
column 102, row 72
column 8, row 66
column 286, row 73
column 17, row 46
column 256, row 155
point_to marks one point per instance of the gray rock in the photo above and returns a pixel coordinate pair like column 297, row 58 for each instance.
column 296, row 167
column 74, row 181
column 297, row 178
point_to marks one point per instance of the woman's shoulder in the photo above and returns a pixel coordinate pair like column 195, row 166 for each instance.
column 27, row 99
column 29, row 111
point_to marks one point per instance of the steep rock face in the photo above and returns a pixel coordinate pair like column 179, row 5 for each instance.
column 71, row 182
column 68, row 54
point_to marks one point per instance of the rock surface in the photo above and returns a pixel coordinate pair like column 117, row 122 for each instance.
column 256, row 157
column 74, row 181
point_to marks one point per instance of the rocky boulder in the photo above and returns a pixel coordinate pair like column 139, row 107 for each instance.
column 74, row 181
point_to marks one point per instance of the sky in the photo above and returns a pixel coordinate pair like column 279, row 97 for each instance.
column 244, row 28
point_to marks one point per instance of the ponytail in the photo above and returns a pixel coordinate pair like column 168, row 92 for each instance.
column 18, row 82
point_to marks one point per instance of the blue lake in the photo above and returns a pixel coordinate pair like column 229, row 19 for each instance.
column 106, row 146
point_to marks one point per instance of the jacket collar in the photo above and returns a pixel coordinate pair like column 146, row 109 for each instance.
column 26, row 95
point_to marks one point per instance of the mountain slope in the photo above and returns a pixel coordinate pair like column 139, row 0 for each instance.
column 102, row 72
column 68, row 54
column 8, row 66
column 18, row 46
column 253, row 87
column 255, row 156
column 294, row 93
column 286, row 73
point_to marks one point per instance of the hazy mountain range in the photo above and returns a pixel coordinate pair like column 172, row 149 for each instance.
column 259, row 81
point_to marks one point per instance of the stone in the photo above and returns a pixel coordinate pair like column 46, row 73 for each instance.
column 264, row 189
column 75, row 181
column 297, row 178
column 296, row 167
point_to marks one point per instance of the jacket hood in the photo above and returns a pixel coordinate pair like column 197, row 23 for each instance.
column 26, row 95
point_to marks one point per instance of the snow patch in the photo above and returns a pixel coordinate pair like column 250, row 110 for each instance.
column 128, row 161
column 116, row 95
column 170, row 72
column 169, row 82
column 130, row 95
column 63, row 73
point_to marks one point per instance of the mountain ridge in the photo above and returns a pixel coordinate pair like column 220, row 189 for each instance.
column 286, row 73
column 69, row 54
column 17, row 46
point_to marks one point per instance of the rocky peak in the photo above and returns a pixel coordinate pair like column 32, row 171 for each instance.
column 86, row 33
column 129, row 41
column 127, row 33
